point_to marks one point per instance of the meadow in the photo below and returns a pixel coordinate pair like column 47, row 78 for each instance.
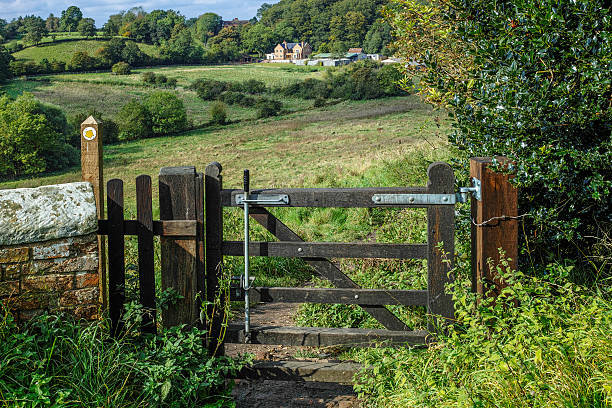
column 63, row 50
column 107, row 93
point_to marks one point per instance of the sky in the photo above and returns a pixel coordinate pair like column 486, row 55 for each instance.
column 99, row 10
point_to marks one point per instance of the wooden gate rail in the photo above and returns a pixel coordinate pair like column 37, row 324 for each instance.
column 438, row 251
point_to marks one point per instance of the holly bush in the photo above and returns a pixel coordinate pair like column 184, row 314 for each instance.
column 527, row 79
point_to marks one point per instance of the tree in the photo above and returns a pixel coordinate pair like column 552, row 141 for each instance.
column 113, row 25
column 32, row 137
column 262, row 9
column 259, row 38
column 207, row 25
column 377, row 38
column 87, row 27
column 529, row 80
column 35, row 30
column 132, row 54
column 52, row 23
column 134, row 121
column 69, row 21
column 5, row 67
column 81, row 61
column 168, row 114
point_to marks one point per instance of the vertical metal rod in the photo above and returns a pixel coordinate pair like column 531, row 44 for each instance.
column 246, row 282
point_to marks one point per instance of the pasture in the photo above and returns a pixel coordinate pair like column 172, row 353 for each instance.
column 62, row 51
column 107, row 93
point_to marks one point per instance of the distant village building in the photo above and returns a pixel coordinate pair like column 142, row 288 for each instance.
column 356, row 50
column 292, row 51
column 235, row 23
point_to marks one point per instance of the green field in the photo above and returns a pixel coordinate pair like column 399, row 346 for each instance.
column 385, row 142
column 63, row 51
column 107, row 93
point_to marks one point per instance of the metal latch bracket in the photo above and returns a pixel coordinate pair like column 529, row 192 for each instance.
column 263, row 199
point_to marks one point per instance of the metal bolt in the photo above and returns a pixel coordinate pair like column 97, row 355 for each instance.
column 377, row 199
column 445, row 199
column 411, row 199
column 300, row 249
column 356, row 296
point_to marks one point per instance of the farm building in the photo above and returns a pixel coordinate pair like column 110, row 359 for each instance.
column 235, row 23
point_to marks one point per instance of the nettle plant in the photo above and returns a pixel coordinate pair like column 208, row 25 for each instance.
column 527, row 79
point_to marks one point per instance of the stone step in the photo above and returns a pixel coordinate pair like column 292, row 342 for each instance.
column 296, row 370
column 325, row 337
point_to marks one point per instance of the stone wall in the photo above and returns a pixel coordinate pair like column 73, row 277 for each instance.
column 49, row 251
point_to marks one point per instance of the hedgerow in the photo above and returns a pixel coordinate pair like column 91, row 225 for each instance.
column 529, row 80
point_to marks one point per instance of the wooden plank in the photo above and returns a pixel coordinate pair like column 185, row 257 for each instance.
column 295, row 370
column 496, row 222
column 146, row 268
column 92, row 171
column 327, row 250
column 328, row 197
column 116, row 258
column 440, row 231
column 167, row 228
column 214, row 257
column 178, row 255
column 324, row 267
column 374, row 297
column 200, row 258
column 325, row 337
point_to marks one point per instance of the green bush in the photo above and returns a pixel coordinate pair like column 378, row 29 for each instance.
column 209, row 89
column 171, row 82
column 168, row 114
column 148, row 77
column 268, row 107
column 544, row 342
column 33, row 137
column 161, row 79
column 56, row 361
column 218, row 113
column 82, row 61
column 531, row 81
column 134, row 121
column 122, row 68
column 251, row 86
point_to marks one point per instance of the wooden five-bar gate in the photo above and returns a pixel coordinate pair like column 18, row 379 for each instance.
column 192, row 249
column 438, row 251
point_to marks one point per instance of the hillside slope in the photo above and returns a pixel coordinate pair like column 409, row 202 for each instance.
column 63, row 51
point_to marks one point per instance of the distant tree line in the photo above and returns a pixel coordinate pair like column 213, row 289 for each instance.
column 328, row 25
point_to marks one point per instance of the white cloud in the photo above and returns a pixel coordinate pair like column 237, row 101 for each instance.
column 100, row 10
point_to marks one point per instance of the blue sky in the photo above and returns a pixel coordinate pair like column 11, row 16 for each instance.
column 99, row 10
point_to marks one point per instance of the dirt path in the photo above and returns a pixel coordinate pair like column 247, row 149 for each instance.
column 286, row 394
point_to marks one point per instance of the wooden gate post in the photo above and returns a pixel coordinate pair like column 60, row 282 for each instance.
column 214, row 256
column 440, row 231
column 494, row 223
column 92, row 171
column 179, row 256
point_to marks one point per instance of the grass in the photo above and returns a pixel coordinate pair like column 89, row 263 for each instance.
column 345, row 144
column 63, row 51
column 107, row 93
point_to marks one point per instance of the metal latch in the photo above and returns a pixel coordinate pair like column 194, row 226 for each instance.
column 263, row 199
column 430, row 199
column 476, row 191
